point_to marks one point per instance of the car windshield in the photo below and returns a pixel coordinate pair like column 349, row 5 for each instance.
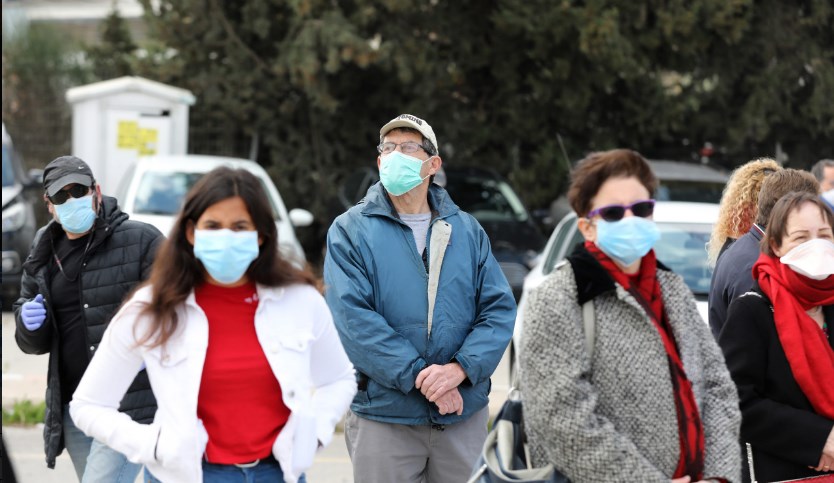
column 162, row 193
column 682, row 248
column 8, row 169
column 486, row 199
column 697, row 191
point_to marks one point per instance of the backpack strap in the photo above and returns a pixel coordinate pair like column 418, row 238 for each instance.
column 589, row 321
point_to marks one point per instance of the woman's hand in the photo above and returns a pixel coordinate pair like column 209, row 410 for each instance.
column 827, row 459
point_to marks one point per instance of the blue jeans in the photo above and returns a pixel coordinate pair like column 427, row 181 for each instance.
column 94, row 461
column 268, row 472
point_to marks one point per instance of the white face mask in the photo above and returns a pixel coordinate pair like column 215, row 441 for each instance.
column 814, row 259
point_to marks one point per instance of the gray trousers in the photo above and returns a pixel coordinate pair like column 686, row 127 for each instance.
column 387, row 452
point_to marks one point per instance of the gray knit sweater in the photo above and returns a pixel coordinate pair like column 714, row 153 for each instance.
column 614, row 419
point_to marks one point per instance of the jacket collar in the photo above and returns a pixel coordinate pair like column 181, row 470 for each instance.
column 757, row 231
column 591, row 278
column 377, row 202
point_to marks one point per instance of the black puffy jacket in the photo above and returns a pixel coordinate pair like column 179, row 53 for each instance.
column 119, row 257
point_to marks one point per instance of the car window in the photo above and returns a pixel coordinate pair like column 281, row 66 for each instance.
column 8, row 169
column 697, row 191
column 162, row 193
column 486, row 199
column 555, row 254
column 682, row 248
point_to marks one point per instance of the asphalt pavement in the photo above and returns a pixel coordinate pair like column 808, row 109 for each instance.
column 24, row 377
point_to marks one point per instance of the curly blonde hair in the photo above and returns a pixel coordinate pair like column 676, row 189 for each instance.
column 739, row 201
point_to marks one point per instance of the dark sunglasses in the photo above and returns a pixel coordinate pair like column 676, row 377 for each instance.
column 76, row 191
column 642, row 208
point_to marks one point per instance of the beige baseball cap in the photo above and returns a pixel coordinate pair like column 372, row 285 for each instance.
column 414, row 122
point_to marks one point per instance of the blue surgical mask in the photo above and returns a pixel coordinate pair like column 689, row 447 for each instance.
column 76, row 215
column 627, row 240
column 400, row 173
column 226, row 254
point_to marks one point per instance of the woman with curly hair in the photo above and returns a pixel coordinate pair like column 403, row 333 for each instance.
column 738, row 205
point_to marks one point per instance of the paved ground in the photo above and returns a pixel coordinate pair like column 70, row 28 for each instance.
column 24, row 377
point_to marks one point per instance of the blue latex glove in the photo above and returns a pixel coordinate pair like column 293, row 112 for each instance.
column 33, row 313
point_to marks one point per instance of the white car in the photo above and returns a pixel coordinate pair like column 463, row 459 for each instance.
column 154, row 187
column 685, row 229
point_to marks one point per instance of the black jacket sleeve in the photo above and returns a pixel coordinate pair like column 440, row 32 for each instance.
column 32, row 341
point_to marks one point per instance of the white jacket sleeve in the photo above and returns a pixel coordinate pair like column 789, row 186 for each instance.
column 332, row 375
column 95, row 403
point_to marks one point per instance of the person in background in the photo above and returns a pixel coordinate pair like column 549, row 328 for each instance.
column 82, row 265
column 653, row 401
column 739, row 205
column 779, row 344
column 423, row 364
column 240, row 348
column 823, row 170
column 732, row 276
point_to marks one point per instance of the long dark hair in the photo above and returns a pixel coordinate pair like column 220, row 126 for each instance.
column 176, row 271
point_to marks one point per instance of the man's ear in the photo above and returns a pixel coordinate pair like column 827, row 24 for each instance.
column 97, row 196
column 49, row 206
column 436, row 163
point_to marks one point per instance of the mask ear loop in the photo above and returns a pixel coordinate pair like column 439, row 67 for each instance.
column 424, row 162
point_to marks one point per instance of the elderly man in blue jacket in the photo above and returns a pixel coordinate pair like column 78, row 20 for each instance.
column 424, row 313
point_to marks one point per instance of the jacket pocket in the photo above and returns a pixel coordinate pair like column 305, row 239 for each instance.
column 296, row 342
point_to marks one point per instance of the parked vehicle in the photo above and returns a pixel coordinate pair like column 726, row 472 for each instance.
column 685, row 229
column 19, row 222
column 516, row 241
column 153, row 189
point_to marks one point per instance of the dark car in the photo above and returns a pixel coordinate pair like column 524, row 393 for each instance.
column 19, row 223
column 516, row 240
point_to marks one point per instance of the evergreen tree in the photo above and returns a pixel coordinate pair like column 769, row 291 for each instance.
column 113, row 56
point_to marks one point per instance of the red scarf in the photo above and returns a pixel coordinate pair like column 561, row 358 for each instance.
column 646, row 289
column 806, row 346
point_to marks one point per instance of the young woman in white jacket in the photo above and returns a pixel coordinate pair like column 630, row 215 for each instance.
column 248, row 371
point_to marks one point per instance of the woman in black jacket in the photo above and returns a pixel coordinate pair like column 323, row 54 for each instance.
column 780, row 349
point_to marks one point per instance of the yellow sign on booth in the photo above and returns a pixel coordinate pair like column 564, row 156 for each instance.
column 143, row 140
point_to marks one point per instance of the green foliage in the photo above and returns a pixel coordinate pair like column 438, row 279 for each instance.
column 39, row 64
column 309, row 82
column 114, row 55
column 25, row 413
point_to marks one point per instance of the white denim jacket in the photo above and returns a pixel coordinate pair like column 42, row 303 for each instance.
column 295, row 330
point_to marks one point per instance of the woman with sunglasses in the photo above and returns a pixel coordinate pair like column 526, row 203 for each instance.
column 653, row 400
column 780, row 347
column 244, row 360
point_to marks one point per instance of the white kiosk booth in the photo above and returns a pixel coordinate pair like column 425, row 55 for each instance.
column 116, row 121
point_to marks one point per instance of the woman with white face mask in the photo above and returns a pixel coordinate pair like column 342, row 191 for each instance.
column 779, row 345
column 249, row 374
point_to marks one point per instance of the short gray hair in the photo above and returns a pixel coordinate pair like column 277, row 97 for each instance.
column 817, row 169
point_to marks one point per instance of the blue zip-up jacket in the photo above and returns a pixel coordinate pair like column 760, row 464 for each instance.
column 376, row 286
